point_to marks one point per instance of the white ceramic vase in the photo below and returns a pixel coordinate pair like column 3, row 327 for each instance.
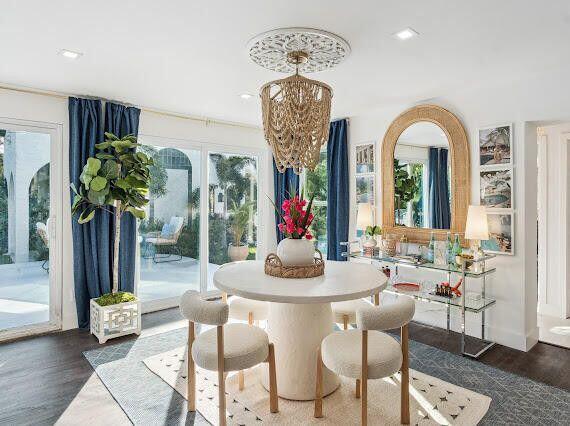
column 238, row 252
column 296, row 252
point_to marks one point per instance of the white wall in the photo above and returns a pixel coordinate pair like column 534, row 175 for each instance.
column 54, row 110
column 525, row 104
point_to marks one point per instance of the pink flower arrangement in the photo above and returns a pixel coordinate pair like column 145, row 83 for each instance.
column 296, row 218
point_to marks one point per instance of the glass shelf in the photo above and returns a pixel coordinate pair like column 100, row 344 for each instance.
column 474, row 306
column 442, row 268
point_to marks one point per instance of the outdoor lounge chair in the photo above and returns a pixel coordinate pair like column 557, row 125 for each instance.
column 168, row 237
column 43, row 231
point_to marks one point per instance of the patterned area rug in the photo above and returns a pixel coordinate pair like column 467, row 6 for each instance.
column 432, row 401
column 148, row 400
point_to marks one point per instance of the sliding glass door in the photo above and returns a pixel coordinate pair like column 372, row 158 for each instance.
column 203, row 212
column 29, row 250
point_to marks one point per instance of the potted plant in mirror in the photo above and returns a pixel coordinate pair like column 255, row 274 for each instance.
column 369, row 238
column 297, row 248
column 405, row 190
column 240, row 219
column 116, row 180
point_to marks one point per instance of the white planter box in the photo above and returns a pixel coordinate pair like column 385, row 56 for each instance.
column 108, row 322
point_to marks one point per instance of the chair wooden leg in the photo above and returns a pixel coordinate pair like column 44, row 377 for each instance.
column 273, row 398
column 377, row 299
column 191, row 371
column 221, row 378
column 405, row 390
column 225, row 297
column 357, row 388
column 345, row 321
column 364, row 379
column 319, row 386
column 241, row 380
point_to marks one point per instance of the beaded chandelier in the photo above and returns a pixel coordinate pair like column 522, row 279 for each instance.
column 296, row 117
column 296, row 110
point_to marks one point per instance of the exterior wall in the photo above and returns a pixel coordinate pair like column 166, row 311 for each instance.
column 175, row 201
column 24, row 154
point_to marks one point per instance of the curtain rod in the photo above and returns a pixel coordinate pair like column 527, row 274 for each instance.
column 62, row 95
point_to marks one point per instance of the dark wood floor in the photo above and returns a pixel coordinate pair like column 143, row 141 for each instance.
column 40, row 376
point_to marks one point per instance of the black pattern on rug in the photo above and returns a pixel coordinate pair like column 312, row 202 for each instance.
column 147, row 399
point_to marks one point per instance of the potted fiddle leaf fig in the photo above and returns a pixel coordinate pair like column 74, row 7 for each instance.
column 239, row 221
column 116, row 180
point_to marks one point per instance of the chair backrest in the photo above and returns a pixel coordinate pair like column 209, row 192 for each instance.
column 176, row 225
column 387, row 317
column 195, row 309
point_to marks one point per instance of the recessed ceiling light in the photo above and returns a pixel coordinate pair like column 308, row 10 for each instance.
column 246, row 96
column 406, row 34
column 70, row 54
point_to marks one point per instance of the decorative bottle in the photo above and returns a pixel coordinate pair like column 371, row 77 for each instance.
column 449, row 249
column 456, row 250
column 431, row 248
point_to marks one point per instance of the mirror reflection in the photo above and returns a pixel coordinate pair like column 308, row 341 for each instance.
column 422, row 177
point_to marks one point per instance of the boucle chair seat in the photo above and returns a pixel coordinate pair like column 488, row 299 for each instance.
column 241, row 308
column 348, row 308
column 245, row 346
column 341, row 354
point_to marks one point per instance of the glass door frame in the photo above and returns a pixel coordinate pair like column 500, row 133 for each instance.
column 205, row 149
column 55, row 131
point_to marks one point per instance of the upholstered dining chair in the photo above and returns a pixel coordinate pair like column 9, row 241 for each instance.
column 242, row 309
column 345, row 312
column 381, row 355
column 228, row 347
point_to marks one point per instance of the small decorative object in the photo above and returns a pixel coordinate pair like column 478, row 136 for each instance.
column 495, row 145
column 404, row 246
column 431, row 248
column 369, row 238
column 407, row 286
column 296, row 110
column 501, row 234
column 275, row 267
column 296, row 249
column 496, row 188
column 464, row 259
column 241, row 215
column 477, row 229
column 386, row 271
column 116, row 180
column 388, row 245
column 440, row 253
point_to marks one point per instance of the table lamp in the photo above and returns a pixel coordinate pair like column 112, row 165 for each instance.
column 477, row 228
column 364, row 216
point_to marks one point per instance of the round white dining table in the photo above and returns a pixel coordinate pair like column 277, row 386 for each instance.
column 300, row 315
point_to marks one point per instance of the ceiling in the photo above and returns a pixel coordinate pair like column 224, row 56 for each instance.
column 189, row 57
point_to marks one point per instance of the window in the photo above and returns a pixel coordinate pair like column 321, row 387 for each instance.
column 316, row 182
column 203, row 212
column 169, row 236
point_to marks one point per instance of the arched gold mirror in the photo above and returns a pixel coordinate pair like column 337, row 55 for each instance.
column 425, row 174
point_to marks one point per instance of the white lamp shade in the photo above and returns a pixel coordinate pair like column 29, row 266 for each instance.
column 365, row 216
column 477, row 227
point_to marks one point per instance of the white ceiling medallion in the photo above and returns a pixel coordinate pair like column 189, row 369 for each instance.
column 271, row 49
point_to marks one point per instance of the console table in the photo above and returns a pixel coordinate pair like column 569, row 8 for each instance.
column 462, row 303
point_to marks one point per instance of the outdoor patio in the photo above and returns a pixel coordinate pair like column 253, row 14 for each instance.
column 24, row 287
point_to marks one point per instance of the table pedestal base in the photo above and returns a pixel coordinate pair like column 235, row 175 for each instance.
column 297, row 331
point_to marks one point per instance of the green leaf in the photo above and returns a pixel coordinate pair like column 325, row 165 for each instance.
column 110, row 169
column 96, row 197
column 98, row 183
column 123, row 184
column 139, row 214
column 136, row 183
column 93, row 165
column 76, row 201
column 104, row 156
column 122, row 145
column 142, row 157
column 85, row 178
column 111, row 136
column 86, row 215
column 103, row 145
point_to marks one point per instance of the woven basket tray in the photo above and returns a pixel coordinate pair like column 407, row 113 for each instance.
column 275, row 268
